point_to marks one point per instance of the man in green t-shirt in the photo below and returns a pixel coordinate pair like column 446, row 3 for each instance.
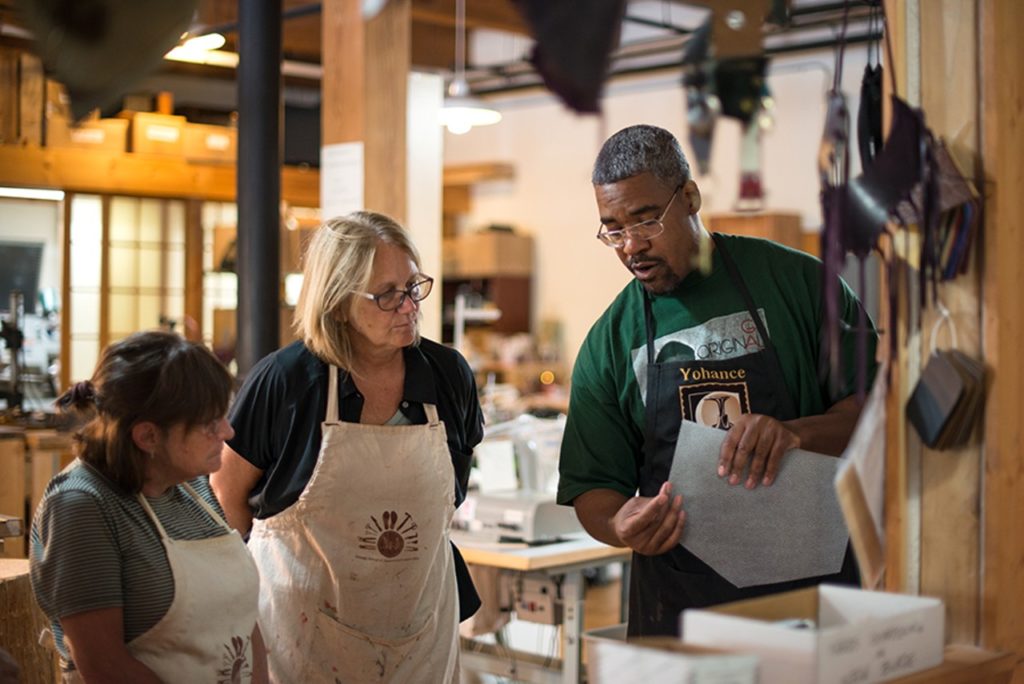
column 736, row 348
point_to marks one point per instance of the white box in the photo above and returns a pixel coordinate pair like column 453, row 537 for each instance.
column 661, row 660
column 857, row 636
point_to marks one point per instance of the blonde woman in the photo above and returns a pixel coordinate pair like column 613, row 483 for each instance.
column 351, row 451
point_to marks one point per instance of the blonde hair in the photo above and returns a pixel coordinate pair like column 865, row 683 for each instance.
column 337, row 263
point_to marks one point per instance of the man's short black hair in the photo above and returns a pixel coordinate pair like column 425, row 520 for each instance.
column 639, row 149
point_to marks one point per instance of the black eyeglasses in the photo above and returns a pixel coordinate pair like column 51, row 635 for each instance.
column 391, row 300
column 644, row 230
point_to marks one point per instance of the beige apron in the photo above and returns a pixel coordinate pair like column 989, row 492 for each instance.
column 205, row 636
column 358, row 583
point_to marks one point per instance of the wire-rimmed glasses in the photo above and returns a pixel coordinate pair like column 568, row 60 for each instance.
column 417, row 291
column 644, row 230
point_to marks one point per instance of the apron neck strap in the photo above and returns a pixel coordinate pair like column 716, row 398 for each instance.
column 431, row 411
column 152, row 515
column 775, row 365
column 206, row 506
column 332, row 394
column 198, row 499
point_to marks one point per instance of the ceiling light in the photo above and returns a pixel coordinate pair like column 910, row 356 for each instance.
column 32, row 193
column 461, row 110
column 205, row 41
column 220, row 58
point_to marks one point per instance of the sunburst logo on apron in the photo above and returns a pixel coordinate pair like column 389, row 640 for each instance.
column 390, row 537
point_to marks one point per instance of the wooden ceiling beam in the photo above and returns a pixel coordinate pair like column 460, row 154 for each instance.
column 433, row 46
column 492, row 14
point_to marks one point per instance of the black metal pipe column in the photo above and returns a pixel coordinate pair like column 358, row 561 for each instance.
column 259, row 180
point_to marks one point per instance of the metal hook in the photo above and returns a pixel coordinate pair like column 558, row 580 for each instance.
column 944, row 317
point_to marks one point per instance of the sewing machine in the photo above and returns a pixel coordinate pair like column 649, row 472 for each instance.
column 520, row 515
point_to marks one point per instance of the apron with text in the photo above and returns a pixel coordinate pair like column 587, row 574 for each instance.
column 712, row 393
column 205, row 636
column 358, row 577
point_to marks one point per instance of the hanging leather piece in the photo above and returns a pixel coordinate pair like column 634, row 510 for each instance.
column 833, row 170
column 869, row 114
column 702, row 104
column 99, row 49
column 574, row 42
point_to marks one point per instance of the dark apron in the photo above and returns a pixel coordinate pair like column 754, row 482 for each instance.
column 712, row 393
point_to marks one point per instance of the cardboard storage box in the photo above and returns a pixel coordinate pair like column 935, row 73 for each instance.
column 826, row 634
column 109, row 135
column 661, row 660
column 207, row 143
column 151, row 133
column 488, row 253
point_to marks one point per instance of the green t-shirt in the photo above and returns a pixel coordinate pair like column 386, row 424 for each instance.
column 703, row 319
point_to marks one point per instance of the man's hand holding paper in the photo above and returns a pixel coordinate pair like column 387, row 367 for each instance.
column 791, row 530
column 758, row 441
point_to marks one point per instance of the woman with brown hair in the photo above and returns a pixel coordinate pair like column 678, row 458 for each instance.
column 131, row 558
column 351, row 451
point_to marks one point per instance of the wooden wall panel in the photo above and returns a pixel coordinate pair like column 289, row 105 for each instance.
column 1002, row 621
column 951, row 480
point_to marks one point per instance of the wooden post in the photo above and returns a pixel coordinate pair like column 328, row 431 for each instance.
column 364, row 95
column 1002, row 96
column 193, row 323
column 896, row 477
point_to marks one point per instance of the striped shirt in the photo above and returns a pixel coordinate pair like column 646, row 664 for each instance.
column 94, row 547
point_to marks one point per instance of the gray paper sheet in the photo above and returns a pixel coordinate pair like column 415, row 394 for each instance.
column 791, row 530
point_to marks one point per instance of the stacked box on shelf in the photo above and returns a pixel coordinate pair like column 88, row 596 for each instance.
column 152, row 133
column 92, row 133
column 207, row 143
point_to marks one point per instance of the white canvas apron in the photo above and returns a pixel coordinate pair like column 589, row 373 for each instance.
column 205, row 636
column 358, row 583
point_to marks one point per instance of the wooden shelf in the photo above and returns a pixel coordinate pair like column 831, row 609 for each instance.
column 139, row 175
column 468, row 174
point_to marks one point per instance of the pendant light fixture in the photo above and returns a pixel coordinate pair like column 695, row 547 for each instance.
column 461, row 110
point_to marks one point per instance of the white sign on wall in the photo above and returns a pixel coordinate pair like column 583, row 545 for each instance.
column 341, row 179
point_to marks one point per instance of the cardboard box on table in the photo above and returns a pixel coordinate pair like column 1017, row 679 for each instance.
column 611, row 659
column 850, row 635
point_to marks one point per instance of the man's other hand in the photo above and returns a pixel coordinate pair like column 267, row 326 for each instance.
column 651, row 525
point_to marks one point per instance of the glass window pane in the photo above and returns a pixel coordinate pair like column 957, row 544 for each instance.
column 150, row 267
column 149, row 312
column 85, row 313
column 123, row 314
column 175, row 263
column 86, row 218
column 124, row 266
column 175, row 222
column 86, row 236
column 84, row 353
column 150, row 220
column 124, row 219
column 174, row 309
